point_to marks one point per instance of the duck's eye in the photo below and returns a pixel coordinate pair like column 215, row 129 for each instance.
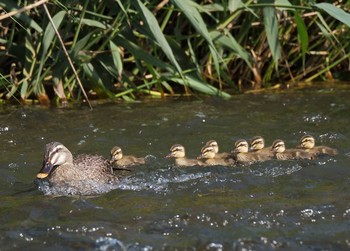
column 207, row 150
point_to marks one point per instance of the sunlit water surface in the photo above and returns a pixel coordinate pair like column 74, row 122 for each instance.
column 275, row 205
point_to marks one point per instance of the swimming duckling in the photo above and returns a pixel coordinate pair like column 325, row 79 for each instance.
column 208, row 153
column 257, row 144
column 82, row 175
column 307, row 142
column 120, row 160
column 215, row 145
column 243, row 155
column 177, row 151
column 281, row 153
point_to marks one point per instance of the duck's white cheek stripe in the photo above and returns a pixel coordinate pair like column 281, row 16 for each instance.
column 55, row 158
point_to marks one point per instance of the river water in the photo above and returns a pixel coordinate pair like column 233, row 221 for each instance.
column 274, row 205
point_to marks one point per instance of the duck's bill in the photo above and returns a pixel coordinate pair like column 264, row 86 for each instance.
column 45, row 171
column 42, row 175
column 112, row 160
column 169, row 155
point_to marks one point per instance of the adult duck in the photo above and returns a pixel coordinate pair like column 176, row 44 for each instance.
column 83, row 175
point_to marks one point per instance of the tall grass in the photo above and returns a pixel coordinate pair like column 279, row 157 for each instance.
column 132, row 48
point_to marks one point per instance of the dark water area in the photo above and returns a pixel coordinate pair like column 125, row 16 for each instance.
column 274, row 205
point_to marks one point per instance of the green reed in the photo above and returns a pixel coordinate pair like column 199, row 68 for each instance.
column 130, row 49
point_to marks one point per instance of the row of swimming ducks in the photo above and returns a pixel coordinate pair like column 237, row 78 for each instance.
column 85, row 171
column 245, row 153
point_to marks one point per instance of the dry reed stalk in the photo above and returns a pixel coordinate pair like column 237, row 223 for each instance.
column 25, row 8
column 67, row 55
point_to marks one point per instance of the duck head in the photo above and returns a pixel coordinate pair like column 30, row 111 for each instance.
column 307, row 142
column 213, row 144
column 278, row 146
column 257, row 143
column 116, row 154
column 207, row 152
column 176, row 151
column 241, row 146
column 56, row 154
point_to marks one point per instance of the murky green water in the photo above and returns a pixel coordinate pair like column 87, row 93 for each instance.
column 290, row 205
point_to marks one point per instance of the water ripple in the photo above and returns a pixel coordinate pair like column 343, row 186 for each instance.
column 277, row 170
column 316, row 119
column 158, row 182
column 108, row 243
column 4, row 129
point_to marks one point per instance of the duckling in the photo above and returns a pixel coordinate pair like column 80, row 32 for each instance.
column 215, row 145
column 307, row 142
column 177, row 151
column 243, row 155
column 209, row 154
column 281, row 153
column 83, row 175
column 120, row 160
column 257, row 144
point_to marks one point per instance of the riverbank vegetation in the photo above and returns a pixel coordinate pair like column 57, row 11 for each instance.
column 133, row 48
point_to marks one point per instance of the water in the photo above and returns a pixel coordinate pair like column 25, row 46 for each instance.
column 275, row 205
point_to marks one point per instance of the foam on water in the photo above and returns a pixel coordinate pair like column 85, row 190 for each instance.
column 157, row 181
column 65, row 190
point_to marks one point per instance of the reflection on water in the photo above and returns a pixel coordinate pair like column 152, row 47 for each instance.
column 294, row 205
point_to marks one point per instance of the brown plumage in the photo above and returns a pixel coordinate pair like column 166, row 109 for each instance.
column 307, row 142
column 177, row 151
column 208, row 153
column 215, row 145
column 82, row 175
column 243, row 155
column 257, row 145
column 281, row 153
column 120, row 160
